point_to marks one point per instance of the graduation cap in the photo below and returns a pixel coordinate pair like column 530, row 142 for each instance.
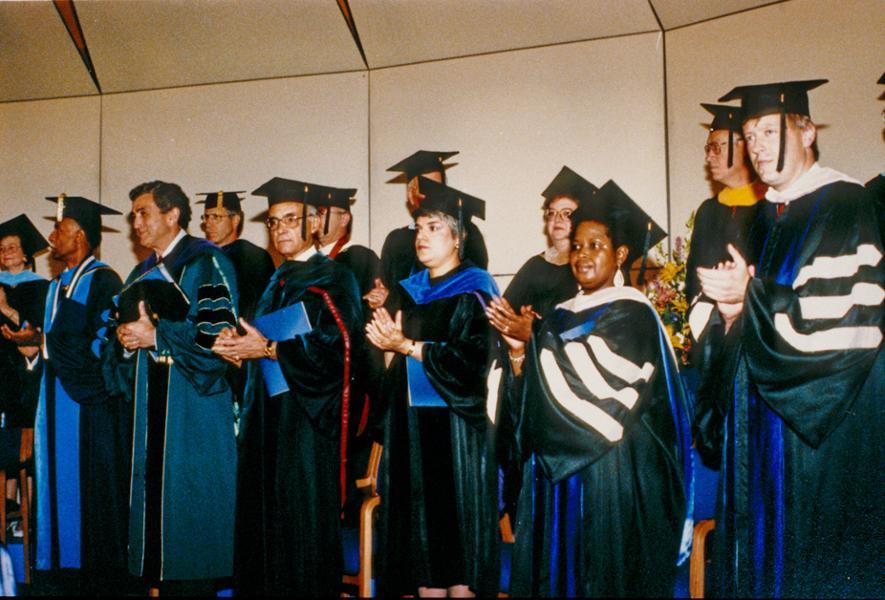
column 279, row 190
column 568, row 183
column 786, row 97
column 85, row 212
column 448, row 200
column 419, row 163
column 31, row 240
column 222, row 200
column 331, row 197
column 882, row 79
column 626, row 221
column 726, row 117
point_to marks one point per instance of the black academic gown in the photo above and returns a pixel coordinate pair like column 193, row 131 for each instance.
column 398, row 258
column 876, row 188
column 800, row 405
column 369, row 368
column 20, row 389
column 289, row 481
column 254, row 267
column 541, row 284
column 715, row 226
column 604, row 425
column 438, row 517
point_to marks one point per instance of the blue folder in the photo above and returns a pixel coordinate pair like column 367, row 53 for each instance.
column 422, row 394
column 280, row 325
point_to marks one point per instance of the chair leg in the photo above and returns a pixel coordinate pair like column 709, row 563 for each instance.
column 697, row 562
column 25, row 491
column 366, row 534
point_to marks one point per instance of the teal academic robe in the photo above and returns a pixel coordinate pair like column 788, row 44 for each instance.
column 182, row 491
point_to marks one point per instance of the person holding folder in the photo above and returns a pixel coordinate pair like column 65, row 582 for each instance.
column 438, row 474
column 294, row 420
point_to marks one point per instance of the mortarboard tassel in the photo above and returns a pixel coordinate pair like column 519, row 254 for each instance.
column 304, row 214
column 781, row 147
column 730, row 147
column 328, row 214
column 219, row 202
column 645, row 244
column 60, row 208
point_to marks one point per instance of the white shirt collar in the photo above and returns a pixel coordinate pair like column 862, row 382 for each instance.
column 813, row 179
column 308, row 254
column 171, row 246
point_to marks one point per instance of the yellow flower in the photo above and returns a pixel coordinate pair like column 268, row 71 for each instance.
column 669, row 272
column 680, row 305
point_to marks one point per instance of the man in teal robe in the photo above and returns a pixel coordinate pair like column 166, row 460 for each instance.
column 184, row 457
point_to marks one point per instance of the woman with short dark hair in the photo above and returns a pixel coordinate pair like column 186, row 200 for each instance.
column 438, row 522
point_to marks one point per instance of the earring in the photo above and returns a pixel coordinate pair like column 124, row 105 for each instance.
column 619, row 279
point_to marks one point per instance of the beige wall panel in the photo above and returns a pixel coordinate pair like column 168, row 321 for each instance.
column 517, row 118
column 48, row 147
column 237, row 136
column 801, row 39
column 394, row 32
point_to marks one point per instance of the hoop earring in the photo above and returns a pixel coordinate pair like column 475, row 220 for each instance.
column 619, row 279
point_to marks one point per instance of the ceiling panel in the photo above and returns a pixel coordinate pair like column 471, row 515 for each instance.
column 396, row 32
column 150, row 44
column 676, row 13
column 37, row 57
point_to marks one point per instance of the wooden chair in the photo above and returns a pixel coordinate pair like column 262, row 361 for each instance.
column 699, row 557
column 362, row 579
column 24, row 511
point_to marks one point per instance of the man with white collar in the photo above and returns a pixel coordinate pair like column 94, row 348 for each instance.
column 802, row 399
column 293, row 428
column 184, row 459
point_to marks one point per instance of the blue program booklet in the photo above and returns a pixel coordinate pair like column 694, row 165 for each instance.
column 280, row 325
column 422, row 394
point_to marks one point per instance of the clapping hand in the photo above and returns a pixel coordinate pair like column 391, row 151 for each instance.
column 387, row 333
column 234, row 348
column 516, row 329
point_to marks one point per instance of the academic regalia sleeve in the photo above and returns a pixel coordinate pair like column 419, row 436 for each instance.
column 313, row 363
column 365, row 265
column 810, row 345
column 209, row 282
column 457, row 367
column 585, row 393
column 76, row 349
column 29, row 299
column 699, row 254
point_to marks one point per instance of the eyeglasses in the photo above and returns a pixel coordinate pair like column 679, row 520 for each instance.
column 289, row 221
column 564, row 213
column 715, row 148
column 9, row 248
column 215, row 219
